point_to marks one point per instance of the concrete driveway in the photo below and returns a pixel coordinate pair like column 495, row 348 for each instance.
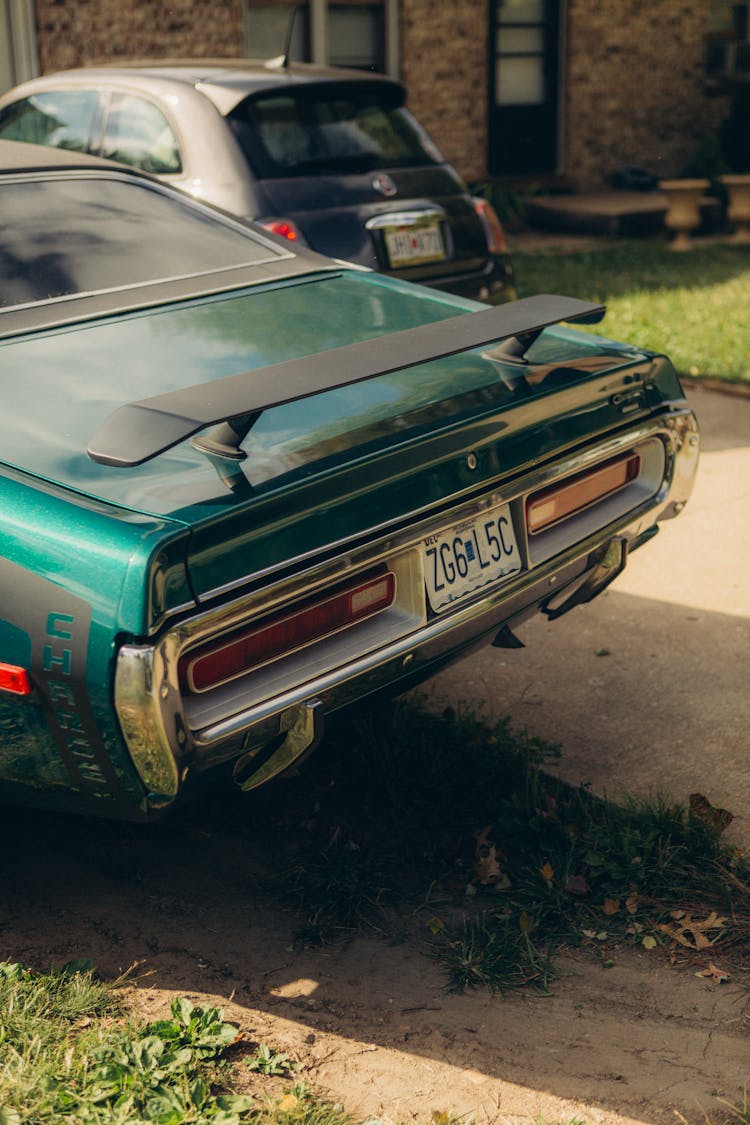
column 648, row 687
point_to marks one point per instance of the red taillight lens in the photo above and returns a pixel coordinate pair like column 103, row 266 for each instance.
column 14, row 679
column 548, row 507
column 493, row 228
column 286, row 228
column 280, row 636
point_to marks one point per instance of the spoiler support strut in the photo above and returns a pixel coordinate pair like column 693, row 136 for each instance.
column 139, row 431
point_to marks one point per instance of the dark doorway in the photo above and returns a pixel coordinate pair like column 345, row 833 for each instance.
column 523, row 86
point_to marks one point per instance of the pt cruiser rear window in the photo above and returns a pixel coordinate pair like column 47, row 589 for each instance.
column 80, row 234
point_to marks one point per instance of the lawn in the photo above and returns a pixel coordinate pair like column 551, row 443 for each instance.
column 695, row 306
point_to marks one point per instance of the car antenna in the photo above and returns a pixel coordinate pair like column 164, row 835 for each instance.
column 281, row 62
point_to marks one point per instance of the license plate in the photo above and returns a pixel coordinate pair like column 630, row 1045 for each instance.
column 414, row 245
column 468, row 556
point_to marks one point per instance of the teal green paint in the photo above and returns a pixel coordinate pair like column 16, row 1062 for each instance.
column 66, row 383
column 15, row 645
column 132, row 545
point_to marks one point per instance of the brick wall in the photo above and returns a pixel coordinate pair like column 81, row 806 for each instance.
column 79, row 32
column 635, row 90
column 444, row 67
column 632, row 77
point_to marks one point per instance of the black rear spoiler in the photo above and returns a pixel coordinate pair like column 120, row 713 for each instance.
column 138, row 431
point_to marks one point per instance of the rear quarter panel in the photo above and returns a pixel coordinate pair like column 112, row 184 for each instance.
column 73, row 579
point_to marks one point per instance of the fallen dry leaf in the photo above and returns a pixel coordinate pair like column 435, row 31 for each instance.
column 526, row 924
column 577, row 885
column 712, row 972
column 611, row 906
column 487, row 867
column 547, row 872
column 700, row 808
column 693, row 933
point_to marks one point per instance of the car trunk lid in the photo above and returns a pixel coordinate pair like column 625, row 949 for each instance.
column 324, row 470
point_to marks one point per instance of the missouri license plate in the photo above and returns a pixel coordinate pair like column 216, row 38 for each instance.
column 413, row 246
column 472, row 554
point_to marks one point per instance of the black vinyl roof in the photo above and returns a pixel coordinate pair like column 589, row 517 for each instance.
column 17, row 157
column 69, row 251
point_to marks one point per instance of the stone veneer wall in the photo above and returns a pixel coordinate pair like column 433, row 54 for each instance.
column 79, row 32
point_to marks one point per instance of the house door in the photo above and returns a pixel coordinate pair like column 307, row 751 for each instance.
column 523, row 72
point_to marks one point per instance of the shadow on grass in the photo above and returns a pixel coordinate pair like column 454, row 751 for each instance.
column 442, row 825
column 421, row 834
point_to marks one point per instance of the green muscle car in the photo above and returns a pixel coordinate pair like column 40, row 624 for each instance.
column 245, row 487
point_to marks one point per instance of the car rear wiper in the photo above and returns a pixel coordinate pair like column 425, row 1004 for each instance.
column 139, row 431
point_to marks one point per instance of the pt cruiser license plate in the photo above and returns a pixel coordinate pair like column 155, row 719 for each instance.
column 468, row 556
column 414, row 246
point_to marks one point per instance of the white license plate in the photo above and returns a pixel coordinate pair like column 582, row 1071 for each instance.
column 470, row 555
column 414, row 245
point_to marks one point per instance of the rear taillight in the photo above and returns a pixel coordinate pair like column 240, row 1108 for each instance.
column 281, row 635
column 559, row 501
column 286, row 228
column 14, row 679
column 493, row 228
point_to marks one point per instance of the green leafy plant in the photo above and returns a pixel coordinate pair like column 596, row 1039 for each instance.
column 270, row 1062
column 70, row 1054
column 202, row 1031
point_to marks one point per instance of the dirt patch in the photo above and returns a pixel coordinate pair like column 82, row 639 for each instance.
column 370, row 1019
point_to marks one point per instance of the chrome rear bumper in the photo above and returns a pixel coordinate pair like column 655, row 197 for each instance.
column 170, row 737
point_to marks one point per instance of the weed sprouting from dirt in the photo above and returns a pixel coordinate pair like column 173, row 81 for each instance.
column 498, row 950
column 502, row 861
column 736, row 1113
column 338, row 889
column 71, row 1054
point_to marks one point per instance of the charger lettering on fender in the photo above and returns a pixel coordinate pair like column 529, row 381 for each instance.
column 58, row 625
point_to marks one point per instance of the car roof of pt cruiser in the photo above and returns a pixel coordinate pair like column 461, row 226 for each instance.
column 226, row 82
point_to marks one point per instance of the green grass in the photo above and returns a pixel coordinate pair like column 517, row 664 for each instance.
column 71, row 1055
column 694, row 305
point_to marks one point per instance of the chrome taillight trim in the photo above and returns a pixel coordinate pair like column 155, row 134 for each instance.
column 289, row 614
column 161, row 742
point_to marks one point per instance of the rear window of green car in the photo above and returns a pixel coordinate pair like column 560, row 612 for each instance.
column 74, row 234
